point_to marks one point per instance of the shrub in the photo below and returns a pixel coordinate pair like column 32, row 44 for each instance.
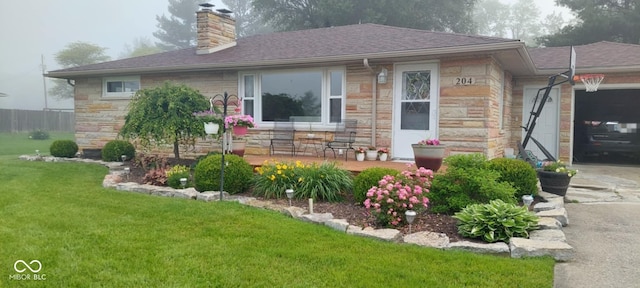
column 459, row 187
column 320, row 182
column 113, row 150
column 496, row 221
column 237, row 174
column 517, row 172
column 157, row 177
column 63, row 148
column 395, row 195
column 39, row 135
column 175, row 173
column 323, row 182
column 367, row 179
column 475, row 160
column 148, row 162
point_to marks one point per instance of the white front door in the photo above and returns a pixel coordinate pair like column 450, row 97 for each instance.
column 415, row 106
column 547, row 128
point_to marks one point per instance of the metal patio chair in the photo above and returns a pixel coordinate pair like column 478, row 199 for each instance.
column 343, row 138
column 282, row 135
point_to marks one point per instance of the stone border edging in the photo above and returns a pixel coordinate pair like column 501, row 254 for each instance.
column 548, row 240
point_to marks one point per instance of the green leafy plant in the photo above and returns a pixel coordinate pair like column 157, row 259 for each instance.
column 175, row 173
column 517, row 172
column 323, row 182
column 495, row 221
column 368, row 178
column 395, row 195
column 474, row 160
column 459, row 187
column 114, row 149
column 63, row 148
column 39, row 135
column 558, row 167
column 318, row 181
column 237, row 174
column 149, row 161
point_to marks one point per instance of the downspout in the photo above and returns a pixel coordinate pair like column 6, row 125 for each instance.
column 374, row 98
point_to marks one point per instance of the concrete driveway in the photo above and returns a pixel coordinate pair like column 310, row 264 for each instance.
column 603, row 204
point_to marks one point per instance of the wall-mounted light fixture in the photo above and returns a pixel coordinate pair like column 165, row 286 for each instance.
column 382, row 76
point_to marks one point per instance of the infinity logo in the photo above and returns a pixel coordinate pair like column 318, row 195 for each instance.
column 15, row 266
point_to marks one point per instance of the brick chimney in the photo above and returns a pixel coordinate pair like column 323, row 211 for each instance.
column 216, row 30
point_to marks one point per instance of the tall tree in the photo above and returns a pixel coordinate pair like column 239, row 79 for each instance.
column 524, row 22
column 247, row 22
column 141, row 46
column 491, row 18
column 179, row 29
column 452, row 15
column 75, row 54
column 599, row 20
column 165, row 115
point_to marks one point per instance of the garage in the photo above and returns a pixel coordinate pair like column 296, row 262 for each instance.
column 606, row 126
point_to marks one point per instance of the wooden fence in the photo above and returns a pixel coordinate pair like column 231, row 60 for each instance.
column 28, row 120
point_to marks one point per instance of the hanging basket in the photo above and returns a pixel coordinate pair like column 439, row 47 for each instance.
column 554, row 182
column 240, row 130
column 428, row 156
column 211, row 128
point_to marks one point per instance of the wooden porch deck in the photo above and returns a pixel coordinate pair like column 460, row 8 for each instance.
column 351, row 165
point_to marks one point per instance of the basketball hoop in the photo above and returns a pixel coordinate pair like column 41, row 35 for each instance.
column 591, row 81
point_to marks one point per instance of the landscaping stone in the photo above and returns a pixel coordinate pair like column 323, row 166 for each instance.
column 545, row 206
column 522, row 247
column 338, row 224
column 428, row 239
column 295, row 212
column 547, row 196
column 188, row 193
column 548, row 223
column 559, row 214
column 391, row 235
column 162, row 191
column 548, row 235
column 111, row 180
column 211, row 196
column 499, row 248
column 317, row 218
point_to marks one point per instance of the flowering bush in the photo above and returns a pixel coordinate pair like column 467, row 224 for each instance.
column 395, row 195
column 559, row 167
column 239, row 120
column 429, row 142
column 360, row 150
column 383, row 150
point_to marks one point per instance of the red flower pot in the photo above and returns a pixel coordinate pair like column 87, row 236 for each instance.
column 240, row 130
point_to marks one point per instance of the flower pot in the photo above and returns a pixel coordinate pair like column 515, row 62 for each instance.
column 211, row 128
column 360, row 156
column 554, row 182
column 428, row 156
column 240, row 130
column 371, row 155
column 383, row 156
column 237, row 147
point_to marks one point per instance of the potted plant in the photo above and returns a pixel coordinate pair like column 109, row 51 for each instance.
column 383, row 153
column 371, row 153
column 360, row 154
column 211, row 119
column 428, row 153
column 555, row 177
column 239, row 123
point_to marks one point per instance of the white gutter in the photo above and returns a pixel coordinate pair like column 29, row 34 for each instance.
column 297, row 61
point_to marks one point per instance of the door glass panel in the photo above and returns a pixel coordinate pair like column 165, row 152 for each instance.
column 415, row 116
column 416, row 85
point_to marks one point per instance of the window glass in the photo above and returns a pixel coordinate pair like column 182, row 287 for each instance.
column 113, row 87
column 336, row 110
column 248, row 107
column 336, row 83
column 131, row 86
column 288, row 94
column 414, row 116
column 248, row 86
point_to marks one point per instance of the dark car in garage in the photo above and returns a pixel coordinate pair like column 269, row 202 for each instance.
column 607, row 138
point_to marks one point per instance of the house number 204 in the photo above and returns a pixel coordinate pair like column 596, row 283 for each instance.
column 465, row 80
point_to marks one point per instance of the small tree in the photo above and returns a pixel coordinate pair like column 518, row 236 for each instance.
column 165, row 114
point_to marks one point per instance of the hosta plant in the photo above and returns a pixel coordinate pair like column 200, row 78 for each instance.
column 496, row 221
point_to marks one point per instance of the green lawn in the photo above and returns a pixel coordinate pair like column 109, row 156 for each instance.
column 85, row 236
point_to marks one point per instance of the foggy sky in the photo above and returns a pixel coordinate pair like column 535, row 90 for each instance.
column 31, row 28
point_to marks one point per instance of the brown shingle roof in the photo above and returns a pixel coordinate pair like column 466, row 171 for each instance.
column 602, row 54
column 288, row 47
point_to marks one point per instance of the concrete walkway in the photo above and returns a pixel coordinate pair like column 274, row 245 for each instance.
column 603, row 205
